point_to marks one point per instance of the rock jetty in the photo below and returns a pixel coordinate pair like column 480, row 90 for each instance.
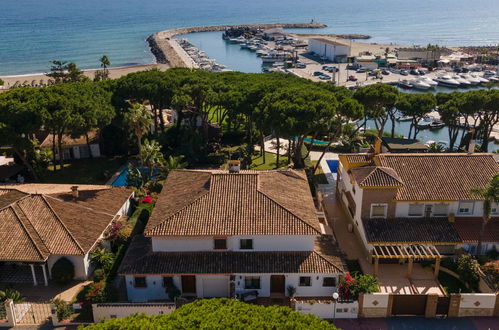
column 168, row 51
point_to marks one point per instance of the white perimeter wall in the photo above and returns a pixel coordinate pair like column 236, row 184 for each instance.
column 260, row 243
column 116, row 310
column 325, row 309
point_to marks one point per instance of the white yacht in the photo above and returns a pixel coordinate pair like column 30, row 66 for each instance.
column 447, row 81
column 429, row 81
column 462, row 81
column 472, row 80
column 482, row 79
column 420, row 84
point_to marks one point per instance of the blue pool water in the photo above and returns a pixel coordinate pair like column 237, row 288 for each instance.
column 333, row 165
column 121, row 180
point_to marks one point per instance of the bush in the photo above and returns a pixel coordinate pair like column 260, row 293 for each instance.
column 351, row 286
column 15, row 295
column 96, row 292
column 99, row 274
column 63, row 271
column 469, row 270
column 62, row 309
column 220, row 313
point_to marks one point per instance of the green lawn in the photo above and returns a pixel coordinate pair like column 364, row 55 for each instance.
column 270, row 161
column 84, row 171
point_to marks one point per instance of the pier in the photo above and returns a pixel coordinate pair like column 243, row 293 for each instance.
column 168, row 51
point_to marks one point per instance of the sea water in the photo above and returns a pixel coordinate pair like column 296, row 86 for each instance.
column 35, row 32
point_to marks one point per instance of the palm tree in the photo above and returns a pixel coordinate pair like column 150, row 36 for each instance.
column 489, row 194
column 151, row 156
column 101, row 258
column 175, row 163
column 139, row 120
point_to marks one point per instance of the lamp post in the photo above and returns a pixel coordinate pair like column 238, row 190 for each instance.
column 335, row 299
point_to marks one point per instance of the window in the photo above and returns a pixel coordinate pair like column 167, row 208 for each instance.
column 139, row 282
column 305, row 281
column 441, row 209
column 466, row 208
column 84, row 152
column 252, row 282
column 220, row 243
column 378, row 210
column 494, row 209
column 246, row 244
column 329, row 281
column 168, row 282
column 416, row 210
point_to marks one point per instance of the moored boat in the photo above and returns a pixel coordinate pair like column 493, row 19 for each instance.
column 447, row 81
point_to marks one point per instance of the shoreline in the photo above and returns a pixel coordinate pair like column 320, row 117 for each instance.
column 167, row 51
column 114, row 72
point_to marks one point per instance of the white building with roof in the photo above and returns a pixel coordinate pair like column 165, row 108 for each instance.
column 332, row 50
column 250, row 234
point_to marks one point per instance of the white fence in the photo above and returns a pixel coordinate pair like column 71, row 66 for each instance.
column 477, row 304
column 114, row 310
column 326, row 309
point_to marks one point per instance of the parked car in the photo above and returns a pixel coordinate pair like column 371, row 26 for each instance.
column 414, row 72
column 385, row 72
column 457, row 70
column 361, row 70
column 372, row 73
column 301, row 65
column 325, row 77
column 465, row 70
column 352, row 67
column 422, row 73
column 318, row 73
column 325, row 67
column 332, row 69
column 404, row 73
column 352, row 78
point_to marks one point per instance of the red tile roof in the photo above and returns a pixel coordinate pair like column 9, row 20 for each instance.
column 448, row 177
column 197, row 203
column 376, row 176
column 469, row 229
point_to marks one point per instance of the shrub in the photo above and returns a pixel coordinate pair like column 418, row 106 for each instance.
column 62, row 309
column 96, row 292
column 351, row 286
column 101, row 258
column 63, row 271
column 99, row 275
column 220, row 313
column 491, row 271
column 469, row 270
column 15, row 295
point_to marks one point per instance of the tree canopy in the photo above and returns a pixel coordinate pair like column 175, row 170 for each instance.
column 220, row 313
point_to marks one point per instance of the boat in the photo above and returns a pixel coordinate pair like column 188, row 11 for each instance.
column 424, row 124
column 462, row 81
column 405, row 84
column 429, row 81
column 481, row 79
column 261, row 52
column 447, row 81
column 436, row 124
column 472, row 80
column 429, row 143
column 419, row 84
column 404, row 118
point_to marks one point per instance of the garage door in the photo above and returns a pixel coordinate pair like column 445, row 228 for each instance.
column 215, row 286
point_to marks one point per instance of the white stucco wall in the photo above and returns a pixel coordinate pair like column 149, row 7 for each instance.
column 81, row 265
column 402, row 208
column 325, row 309
column 477, row 300
column 260, row 243
column 117, row 310
column 153, row 291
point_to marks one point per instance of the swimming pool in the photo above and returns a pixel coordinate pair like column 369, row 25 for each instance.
column 333, row 165
column 121, row 180
column 309, row 140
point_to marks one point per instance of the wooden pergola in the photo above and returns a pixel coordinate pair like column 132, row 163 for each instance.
column 410, row 252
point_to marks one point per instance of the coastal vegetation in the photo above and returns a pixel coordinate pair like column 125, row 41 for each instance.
column 220, row 313
column 207, row 118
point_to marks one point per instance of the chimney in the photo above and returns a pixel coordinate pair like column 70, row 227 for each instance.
column 471, row 145
column 234, row 166
column 377, row 146
column 74, row 191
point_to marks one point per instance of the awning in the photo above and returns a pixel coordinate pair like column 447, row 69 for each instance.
column 404, row 251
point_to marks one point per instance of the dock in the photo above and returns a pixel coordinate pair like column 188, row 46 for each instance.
column 167, row 50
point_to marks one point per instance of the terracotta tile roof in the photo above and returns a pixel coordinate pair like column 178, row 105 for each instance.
column 410, row 230
column 469, row 229
column 430, row 177
column 139, row 259
column 36, row 226
column 358, row 158
column 93, row 137
column 376, row 176
column 247, row 203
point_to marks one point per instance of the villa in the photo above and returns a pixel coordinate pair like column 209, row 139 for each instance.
column 417, row 205
column 41, row 223
column 247, row 234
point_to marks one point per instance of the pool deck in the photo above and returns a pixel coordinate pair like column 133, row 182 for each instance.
column 116, row 175
column 325, row 168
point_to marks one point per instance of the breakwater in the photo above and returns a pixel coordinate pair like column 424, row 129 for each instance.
column 166, row 50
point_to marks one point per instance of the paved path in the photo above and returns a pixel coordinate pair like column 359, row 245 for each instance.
column 417, row 323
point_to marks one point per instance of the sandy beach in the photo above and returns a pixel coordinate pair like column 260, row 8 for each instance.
column 113, row 74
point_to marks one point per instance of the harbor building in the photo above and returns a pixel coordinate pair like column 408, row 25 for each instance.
column 331, row 50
